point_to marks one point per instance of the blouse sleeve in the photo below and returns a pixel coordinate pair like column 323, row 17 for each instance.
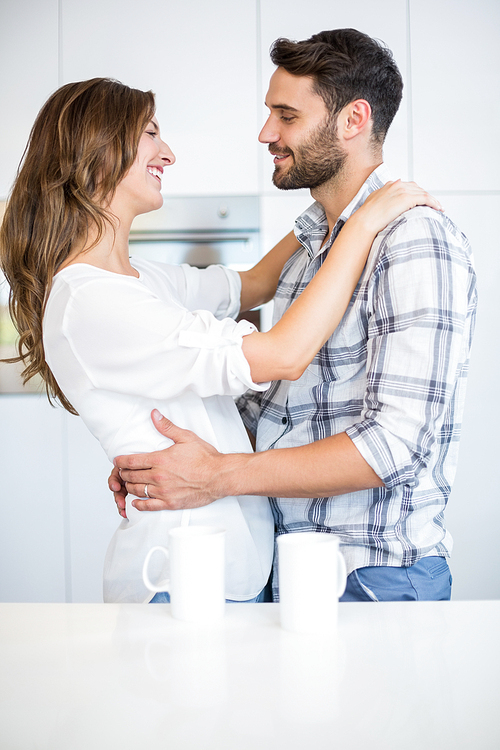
column 129, row 341
column 215, row 288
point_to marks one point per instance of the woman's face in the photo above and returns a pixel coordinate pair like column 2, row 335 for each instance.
column 140, row 189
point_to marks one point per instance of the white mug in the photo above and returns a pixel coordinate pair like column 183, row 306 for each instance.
column 197, row 566
column 312, row 577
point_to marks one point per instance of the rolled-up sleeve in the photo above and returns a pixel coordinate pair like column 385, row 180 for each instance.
column 420, row 320
column 130, row 341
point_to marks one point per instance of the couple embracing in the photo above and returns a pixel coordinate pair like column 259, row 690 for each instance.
column 354, row 396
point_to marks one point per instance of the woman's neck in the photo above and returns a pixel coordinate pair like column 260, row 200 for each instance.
column 110, row 253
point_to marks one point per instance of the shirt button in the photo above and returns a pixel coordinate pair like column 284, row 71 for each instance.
column 283, row 420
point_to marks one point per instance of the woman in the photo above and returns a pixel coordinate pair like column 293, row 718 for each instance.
column 114, row 338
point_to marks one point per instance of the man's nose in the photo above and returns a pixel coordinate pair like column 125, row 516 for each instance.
column 269, row 133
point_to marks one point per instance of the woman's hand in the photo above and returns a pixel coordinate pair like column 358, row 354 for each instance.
column 384, row 205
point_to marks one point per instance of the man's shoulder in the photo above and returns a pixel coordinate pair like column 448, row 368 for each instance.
column 423, row 227
column 426, row 214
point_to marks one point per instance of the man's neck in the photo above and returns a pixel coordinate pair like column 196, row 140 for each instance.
column 336, row 194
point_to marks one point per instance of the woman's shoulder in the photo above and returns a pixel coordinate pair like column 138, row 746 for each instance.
column 148, row 269
column 75, row 274
column 88, row 284
column 82, row 286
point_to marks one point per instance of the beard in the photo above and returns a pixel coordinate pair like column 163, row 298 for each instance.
column 315, row 162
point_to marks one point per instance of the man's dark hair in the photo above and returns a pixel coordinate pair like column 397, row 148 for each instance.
column 345, row 65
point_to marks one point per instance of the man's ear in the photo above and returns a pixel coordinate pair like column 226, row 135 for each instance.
column 354, row 119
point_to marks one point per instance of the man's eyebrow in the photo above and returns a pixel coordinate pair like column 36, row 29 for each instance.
column 285, row 107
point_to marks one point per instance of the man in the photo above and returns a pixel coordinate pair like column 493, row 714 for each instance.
column 364, row 444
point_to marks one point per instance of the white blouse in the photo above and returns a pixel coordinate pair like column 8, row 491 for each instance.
column 121, row 346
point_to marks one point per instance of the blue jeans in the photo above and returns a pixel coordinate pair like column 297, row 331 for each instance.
column 427, row 580
column 164, row 598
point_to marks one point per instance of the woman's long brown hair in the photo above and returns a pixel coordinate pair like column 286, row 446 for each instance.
column 82, row 144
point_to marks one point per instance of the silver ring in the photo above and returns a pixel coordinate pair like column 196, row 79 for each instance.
column 146, row 490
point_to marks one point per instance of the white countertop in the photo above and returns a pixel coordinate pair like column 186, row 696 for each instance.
column 397, row 675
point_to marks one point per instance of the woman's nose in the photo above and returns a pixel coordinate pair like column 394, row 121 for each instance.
column 166, row 154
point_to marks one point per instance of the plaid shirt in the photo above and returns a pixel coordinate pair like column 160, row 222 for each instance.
column 392, row 377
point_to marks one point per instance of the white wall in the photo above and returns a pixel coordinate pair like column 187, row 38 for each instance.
column 214, row 57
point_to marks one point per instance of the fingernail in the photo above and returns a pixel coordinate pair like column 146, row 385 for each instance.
column 157, row 414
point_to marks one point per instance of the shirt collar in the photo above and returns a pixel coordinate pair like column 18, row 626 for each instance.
column 311, row 226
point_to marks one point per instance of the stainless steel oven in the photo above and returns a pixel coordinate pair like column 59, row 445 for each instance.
column 202, row 231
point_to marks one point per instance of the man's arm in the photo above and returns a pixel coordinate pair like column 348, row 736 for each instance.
column 258, row 284
column 192, row 473
column 414, row 360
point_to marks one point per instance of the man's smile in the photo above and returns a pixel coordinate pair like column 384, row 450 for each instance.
column 279, row 156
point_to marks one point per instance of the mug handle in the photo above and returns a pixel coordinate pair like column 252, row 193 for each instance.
column 342, row 574
column 163, row 585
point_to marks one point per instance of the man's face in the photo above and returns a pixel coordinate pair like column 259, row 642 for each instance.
column 300, row 133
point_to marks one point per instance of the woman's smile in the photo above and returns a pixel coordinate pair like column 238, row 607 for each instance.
column 156, row 172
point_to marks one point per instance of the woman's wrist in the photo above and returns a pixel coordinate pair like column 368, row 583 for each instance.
column 363, row 224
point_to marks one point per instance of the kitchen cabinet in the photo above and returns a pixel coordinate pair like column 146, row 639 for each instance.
column 29, row 73
column 34, row 559
column 199, row 58
column 201, row 61
column 455, row 83
column 473, row 513
column 57, row 513
column 456, row 119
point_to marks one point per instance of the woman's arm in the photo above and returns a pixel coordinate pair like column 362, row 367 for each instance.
column 284, row 352
column 258, row 285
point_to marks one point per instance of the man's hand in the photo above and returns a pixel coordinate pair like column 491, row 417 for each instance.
column 178, row 477
column 119, row 491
